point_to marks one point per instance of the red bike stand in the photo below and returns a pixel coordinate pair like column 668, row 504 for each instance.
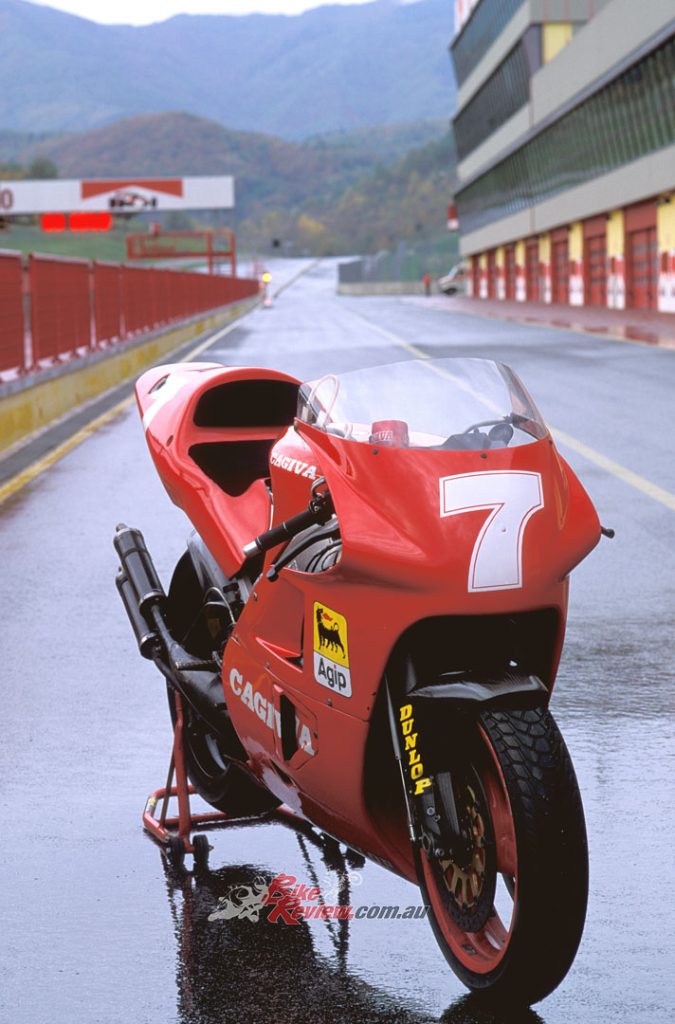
column 174, row 832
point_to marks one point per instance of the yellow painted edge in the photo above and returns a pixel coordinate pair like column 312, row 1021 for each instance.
column 17, row 482
column 32, row 409
column 30, row 472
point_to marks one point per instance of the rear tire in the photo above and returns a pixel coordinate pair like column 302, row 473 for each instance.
column 224, row 785
column 530, row 805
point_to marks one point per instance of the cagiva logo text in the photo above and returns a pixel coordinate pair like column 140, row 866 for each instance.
column 294, row 466
column 266, row 711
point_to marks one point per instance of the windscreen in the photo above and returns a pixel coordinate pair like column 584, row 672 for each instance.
column 425, row 403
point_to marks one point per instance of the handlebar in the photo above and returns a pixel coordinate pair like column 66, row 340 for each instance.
column 319, row 510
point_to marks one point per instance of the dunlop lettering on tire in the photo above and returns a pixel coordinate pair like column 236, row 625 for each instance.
column 331, row 651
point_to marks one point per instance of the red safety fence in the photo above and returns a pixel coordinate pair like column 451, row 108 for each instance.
column 137, row 300
column 107, row 290
column 60, row 307
column 71, row 307
column 12, row 333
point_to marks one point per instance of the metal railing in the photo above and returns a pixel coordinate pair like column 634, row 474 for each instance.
column 407, row 262
column 54, row 309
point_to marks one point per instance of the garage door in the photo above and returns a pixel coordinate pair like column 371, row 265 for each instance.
column 642, row 268
column 595, row 264
column 532, row 271
column 492, row 274
column 510, row 271
column 560, row 270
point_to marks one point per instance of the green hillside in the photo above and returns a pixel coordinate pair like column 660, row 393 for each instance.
column 341, row 193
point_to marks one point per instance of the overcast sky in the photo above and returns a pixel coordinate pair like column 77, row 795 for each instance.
column 143, row 12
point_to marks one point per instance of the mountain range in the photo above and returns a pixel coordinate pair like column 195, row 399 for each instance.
column 330, row 69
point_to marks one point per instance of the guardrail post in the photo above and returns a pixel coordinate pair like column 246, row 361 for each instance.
column 92, row 307
column 27, row 300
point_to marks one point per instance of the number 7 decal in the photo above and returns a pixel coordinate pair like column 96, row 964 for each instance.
column 512, row 497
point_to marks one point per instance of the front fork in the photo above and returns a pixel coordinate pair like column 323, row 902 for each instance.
column 431, row 805
column 431, row 775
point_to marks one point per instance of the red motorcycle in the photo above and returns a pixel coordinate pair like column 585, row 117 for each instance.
column 366, row 628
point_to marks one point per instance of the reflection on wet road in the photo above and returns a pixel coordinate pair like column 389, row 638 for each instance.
column 278, row 971
column 96, row 928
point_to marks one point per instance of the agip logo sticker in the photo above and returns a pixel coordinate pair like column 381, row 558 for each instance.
column 331, row 653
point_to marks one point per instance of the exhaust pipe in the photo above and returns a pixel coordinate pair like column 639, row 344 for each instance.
column 149, row 643
column 144, row 601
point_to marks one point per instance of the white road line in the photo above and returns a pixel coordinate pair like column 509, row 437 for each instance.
column 616, row 469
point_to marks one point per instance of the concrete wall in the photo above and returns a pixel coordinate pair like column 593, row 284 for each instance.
column 384, row 288
column 620, row 28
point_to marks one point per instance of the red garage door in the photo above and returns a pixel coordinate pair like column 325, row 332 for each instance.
column 492, row 274
column 560, row 267
column 510, row 271
column 532, row 270
column 641, row 256
column 595, row 262
column 642, row 268
column 475, row 276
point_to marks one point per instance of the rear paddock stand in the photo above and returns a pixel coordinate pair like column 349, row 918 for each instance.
column 174, row 832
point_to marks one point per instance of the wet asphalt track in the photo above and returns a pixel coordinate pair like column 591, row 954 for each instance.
column 92, row 927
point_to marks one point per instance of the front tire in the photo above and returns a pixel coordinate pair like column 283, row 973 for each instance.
column 530, row 834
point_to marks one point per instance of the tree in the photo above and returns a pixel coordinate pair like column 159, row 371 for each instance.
column 42, row 167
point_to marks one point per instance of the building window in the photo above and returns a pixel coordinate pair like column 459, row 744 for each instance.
column 486, row 23
column 628, row 118
column 504, row 93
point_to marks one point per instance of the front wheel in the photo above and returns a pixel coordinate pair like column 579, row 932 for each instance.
column 510, row 914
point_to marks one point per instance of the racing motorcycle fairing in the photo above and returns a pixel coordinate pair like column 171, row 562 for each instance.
column 456, row 538
column 210, row 430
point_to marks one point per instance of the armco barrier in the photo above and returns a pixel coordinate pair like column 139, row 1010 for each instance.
column 12, row 333
column 71, row 307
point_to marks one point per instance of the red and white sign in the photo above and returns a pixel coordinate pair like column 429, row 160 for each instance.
column 463, row 11
column 123, row 195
